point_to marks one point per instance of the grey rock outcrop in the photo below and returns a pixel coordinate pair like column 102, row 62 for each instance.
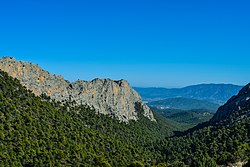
column 115, row 98
column 234, row 104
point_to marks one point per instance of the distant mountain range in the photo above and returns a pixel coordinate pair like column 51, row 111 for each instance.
column 235, row 110
column 182, row 103
column 216, row 93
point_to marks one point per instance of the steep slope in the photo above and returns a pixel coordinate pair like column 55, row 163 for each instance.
column 115, row 98
column 240, row 102
column 36, row 130
column 210, row 146
column 184, row 104
column 223, row 141
column 216, row 93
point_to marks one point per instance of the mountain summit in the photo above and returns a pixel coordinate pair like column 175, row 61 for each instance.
column 115, row 98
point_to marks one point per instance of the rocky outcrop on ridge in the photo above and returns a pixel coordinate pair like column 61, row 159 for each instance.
column 115, row 98
column 234, row 104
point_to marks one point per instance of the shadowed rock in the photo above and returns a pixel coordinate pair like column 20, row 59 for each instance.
column 234, row 104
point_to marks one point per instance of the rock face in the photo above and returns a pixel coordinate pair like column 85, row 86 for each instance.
column 234, row 104
column 115, row 98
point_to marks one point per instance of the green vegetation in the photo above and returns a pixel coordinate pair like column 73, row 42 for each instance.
column 37, row 131
column 187, row 119
column 225, row 142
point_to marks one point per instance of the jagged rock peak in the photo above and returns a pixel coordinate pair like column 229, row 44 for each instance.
column 8, row 58
column 234, row 104
column 115, row 98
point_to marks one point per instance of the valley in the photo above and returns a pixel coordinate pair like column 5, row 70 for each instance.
column 39, row 128
column 131, row 83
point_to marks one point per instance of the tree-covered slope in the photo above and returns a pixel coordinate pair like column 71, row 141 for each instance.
column 34, row 132
column 38, row 131
column 222, row 143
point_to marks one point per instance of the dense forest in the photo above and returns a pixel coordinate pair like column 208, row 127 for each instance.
column 38, row 131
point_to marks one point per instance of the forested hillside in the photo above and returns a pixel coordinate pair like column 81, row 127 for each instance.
column 210, row 145
column 37, row 131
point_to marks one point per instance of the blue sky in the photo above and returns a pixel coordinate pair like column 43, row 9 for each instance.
column 163, row 43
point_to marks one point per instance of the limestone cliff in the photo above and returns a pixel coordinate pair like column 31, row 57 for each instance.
column 115, row 98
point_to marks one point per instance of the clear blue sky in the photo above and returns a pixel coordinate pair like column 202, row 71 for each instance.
column 167, row 43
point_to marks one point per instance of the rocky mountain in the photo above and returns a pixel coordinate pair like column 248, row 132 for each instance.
column 114, row 98
column 36, row 131
column 240, row 102
column 182, row 103
column 216, row 93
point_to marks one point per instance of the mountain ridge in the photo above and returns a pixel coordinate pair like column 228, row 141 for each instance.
column 236, row 103
column 216, row 93
column 115, row 98
column 37, row 131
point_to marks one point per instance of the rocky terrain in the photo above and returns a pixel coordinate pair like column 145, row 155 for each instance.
column 234, row 104
column 115, row 98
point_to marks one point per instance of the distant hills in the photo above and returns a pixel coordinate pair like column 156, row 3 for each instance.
column 216, row 93
column 191, row 105
column 182, row 103
column 187, row 118
column 185, row 110
column 222, row 141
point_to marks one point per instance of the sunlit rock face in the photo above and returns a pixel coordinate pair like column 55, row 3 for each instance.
column 115, row 98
